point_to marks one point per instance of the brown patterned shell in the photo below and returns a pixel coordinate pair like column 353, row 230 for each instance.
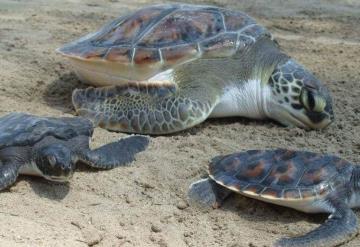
column 280, row 174
column 161, row 36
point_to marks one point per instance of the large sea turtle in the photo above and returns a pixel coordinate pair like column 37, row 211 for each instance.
column 302, row 180
column 169, row 67
column 50, row 147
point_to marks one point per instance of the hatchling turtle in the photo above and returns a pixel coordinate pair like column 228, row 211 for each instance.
column 166, row 68
column 50, row 147
column 302, row 180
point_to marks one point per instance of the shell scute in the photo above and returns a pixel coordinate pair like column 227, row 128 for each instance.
column 319, row 172
column 254, row 31
column 253, row 189
column 85, row 52
column 236, row 20
column 184, row 27
column 178, row 54
column 223, row 45
column 284, row 174
column 145, row 56
column 126, row 30
column 291, row 194
column 271, row 193
column 307, row 193
column 119, row 54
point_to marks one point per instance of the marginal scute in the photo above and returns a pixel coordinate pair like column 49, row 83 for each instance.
column 271, row 193
column 178, row 54
column 291, row 194
column 119, row 54
column 253, row 189
column 84, row 51
column 145, row 56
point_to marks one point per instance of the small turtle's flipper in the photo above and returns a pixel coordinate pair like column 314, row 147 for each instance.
column 146, row 109
column 8, row 174
column 116, row 153
column 206, row 192
column 340, row 227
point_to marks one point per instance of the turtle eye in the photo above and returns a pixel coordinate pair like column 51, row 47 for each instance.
column 311, row 101
column 52, row 160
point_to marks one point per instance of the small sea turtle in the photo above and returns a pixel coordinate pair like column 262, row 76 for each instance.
column 50, row 147
column 305, row 181
column 169, row 67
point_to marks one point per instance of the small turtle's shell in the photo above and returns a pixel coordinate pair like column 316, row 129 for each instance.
column 281, row 175
column 19, row 129
column 159, row 37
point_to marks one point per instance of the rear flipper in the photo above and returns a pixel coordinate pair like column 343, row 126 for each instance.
column 206, row 192
column 146, row 109
column 116, row 153
column 8, row 174
column 340, row 227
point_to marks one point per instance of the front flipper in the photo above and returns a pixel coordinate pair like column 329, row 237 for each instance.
column 206, row 192
column 146, row 109
column 8, row 174
column 340, row 227
column 116, row 153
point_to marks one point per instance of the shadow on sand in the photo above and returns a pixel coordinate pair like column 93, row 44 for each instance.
column 58, row 93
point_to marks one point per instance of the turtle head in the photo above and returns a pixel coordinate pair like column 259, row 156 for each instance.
column 297, row 98
column 55, row 162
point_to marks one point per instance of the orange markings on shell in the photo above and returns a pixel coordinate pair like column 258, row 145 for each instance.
column 182, row 27
column 119, row 54
column 291, row 194
column 146, row 56
column 177, row 53
column 270, row 192
column 96, row 53
column 307, row 193
column 253, row 189
column 232, row 165
column 255, row 171
column 284, row 173
column 126, row 31
column 316, row 176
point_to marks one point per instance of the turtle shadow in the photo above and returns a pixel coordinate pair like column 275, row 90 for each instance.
column 255, row 210
column 48, row 189
column 58, row 93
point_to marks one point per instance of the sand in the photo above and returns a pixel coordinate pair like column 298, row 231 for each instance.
column 145, row 204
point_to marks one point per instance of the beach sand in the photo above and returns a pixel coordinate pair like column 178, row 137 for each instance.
column 145, row 204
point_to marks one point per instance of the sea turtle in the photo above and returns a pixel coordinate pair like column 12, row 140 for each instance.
column 50, row 147
column 302, row 180
column 166, row 68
